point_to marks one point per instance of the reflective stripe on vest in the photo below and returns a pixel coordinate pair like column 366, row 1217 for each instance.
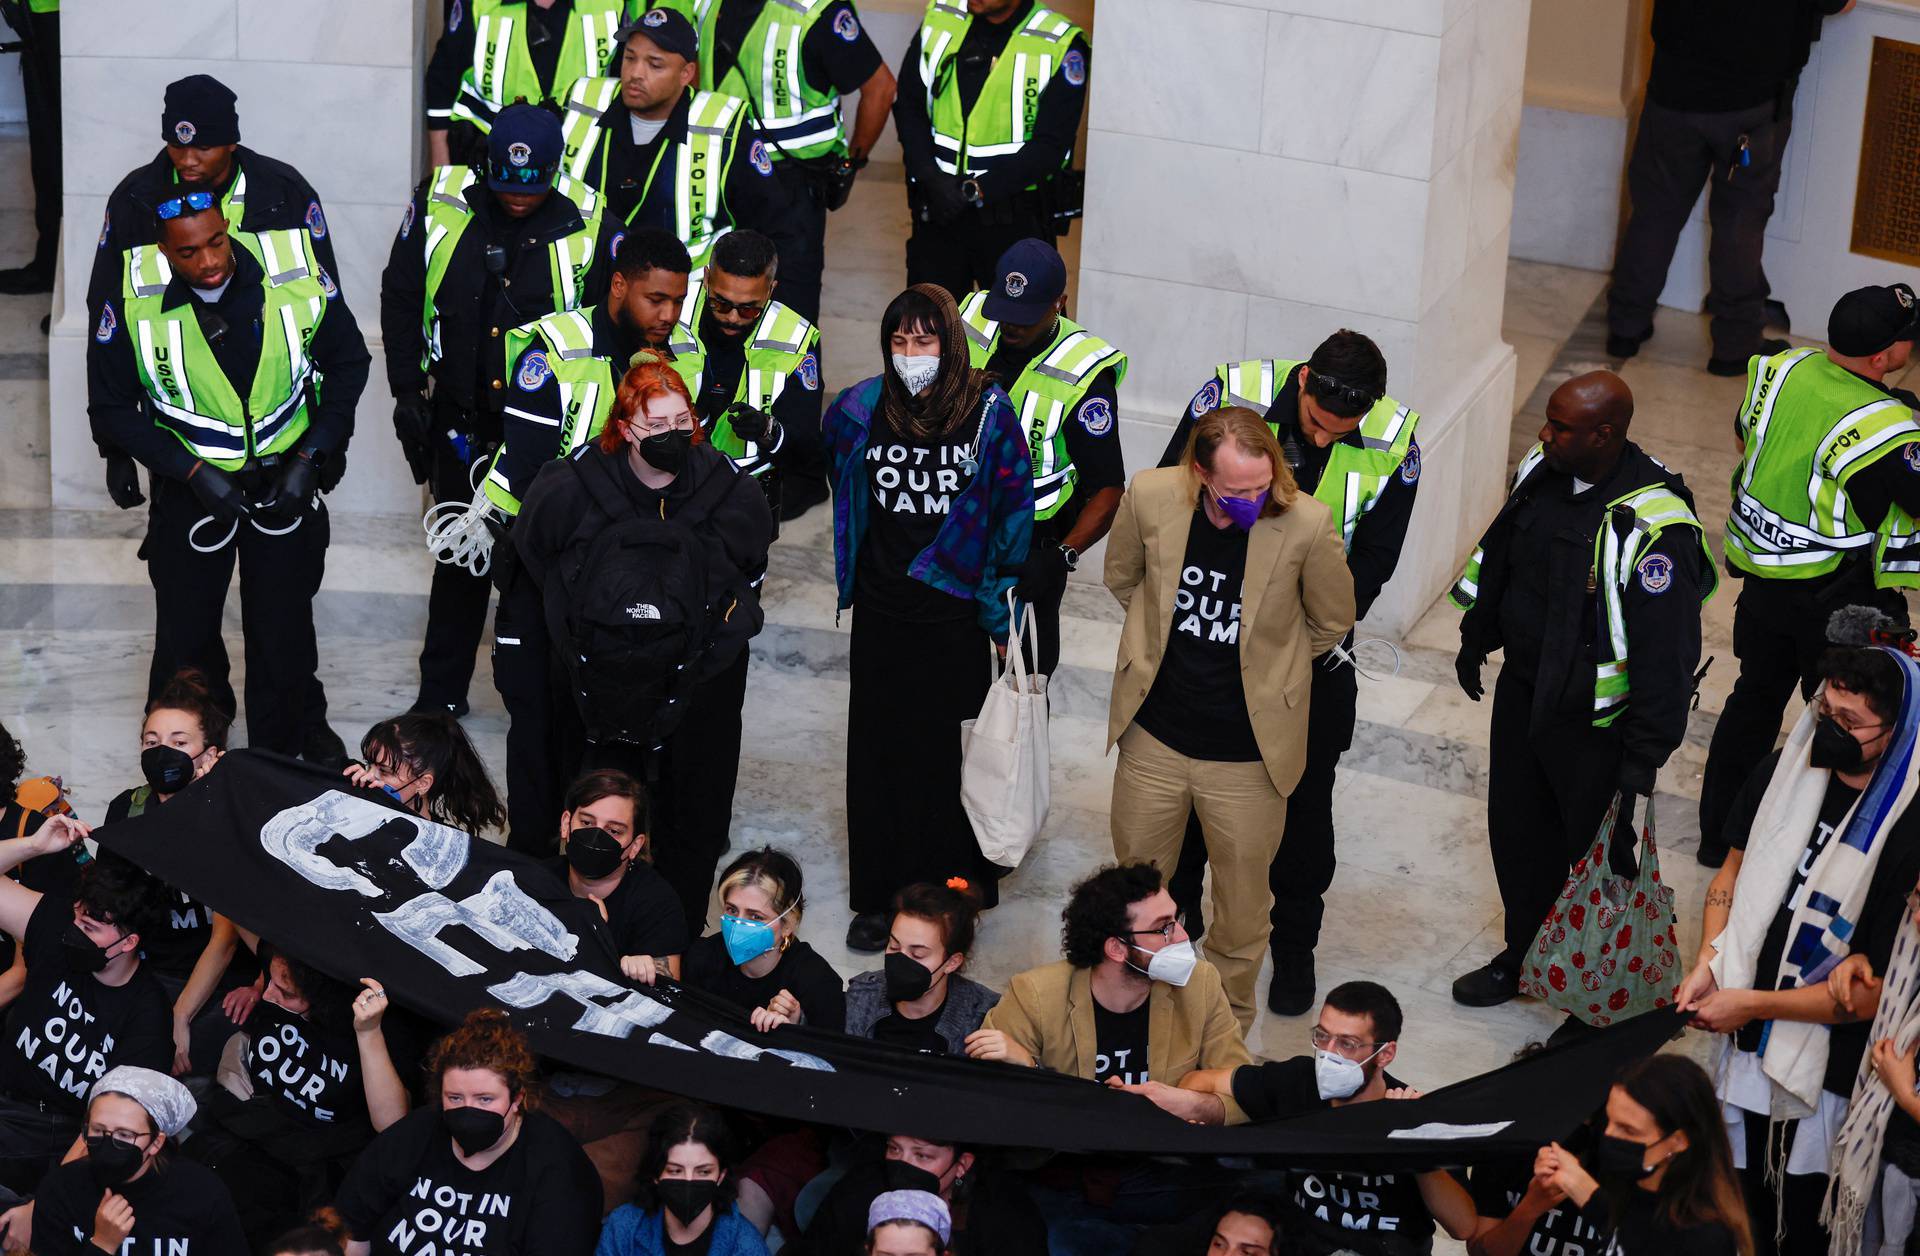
column 781, row 341
column 191, row 395
column 1002, row 117
column 1466, row 590
column 448, row 215
column 1808, row 425
column 1354, row 478
column 1048, row 390
column 796, row 118
column 587, row 386
column 502, row 71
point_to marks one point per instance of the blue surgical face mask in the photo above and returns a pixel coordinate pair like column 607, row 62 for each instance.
column 748, row 940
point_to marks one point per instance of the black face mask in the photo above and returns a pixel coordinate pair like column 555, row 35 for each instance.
column 83, row 954
column 593, row 853
column 112, row 1162
column 685, row 1198
column 667, row 451
column 901, row 1176
column 907, row 978
column 1834, row 748
column 1621, row 1159
column 168, row 769
column 474, row 1129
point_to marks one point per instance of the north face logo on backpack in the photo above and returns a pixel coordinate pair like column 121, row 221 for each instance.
column 643, row 610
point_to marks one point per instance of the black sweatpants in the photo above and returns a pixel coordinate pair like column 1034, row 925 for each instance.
column 40, row 77
column 693, row 808
column 1779, row 634
column 1547, row 791
column 456, row 599
column 1304, row 866
column 1804, row 1193
column 960, row 255
column 279, row 576
column 910, row 686
column 523, row 673
column 1674, row 154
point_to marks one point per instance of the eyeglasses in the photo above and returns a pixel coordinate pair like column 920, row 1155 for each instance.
column 118, row 1136
column 721, row 305
column 1327, row 388
column 1345, row 1044
column 1822, row 707
column 649, row 425
column 1165, row 931
column 524, row 176
column 192, row 202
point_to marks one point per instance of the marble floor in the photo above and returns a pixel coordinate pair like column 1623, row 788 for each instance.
column 1412, row 906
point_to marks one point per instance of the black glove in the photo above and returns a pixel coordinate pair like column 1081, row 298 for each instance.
column 1636, row 779
column 1044, row 571
column 123, row 481
column 293, row 491
column 1466, row 668
column 944, row 201
column 217, row 492
column 753, row 425
column 413, row 424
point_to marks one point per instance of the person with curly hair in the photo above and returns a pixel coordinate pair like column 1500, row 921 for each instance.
column 483, row 1169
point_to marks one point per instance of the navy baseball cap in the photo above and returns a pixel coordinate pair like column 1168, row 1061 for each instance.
column 523, row 150
column 667, row 29
column 1027, row 281
column 1867, row 320
column 199, row 113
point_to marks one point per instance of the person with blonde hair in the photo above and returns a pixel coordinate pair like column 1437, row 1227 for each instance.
column 757, row 959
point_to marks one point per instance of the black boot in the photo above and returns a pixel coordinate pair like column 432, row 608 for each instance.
column 1290, row 993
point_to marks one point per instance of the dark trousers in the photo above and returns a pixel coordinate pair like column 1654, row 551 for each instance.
column 33, row 1137
column 1804, row 1193
column 40, row 76
column 1779, row 634
column 1303, row 868
column 960, row 255
column 1045, row 607
column 1674, row 153
column 523, row 675
column 804, row 455
column 278, row 577
column 456, row 600
column 1547, row 790
column 693, row 808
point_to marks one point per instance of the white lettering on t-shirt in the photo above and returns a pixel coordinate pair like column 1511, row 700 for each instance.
column 910, row 480
column 60, row 1045
column 1348, row 1200
column 281, row 1062
column 134, row 1247
column 1115, row 1065
column 446, row 1222
column 1201, row 609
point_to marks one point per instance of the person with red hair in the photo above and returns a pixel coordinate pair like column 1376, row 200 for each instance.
column 651, row 462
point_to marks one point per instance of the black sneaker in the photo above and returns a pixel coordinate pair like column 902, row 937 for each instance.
column 324, row 748
column 1487, row 986
column 799, row 494
column 1729, row 367
column 1290, row 993
column 24, row 279
column 1624, row 347
column 868, row 933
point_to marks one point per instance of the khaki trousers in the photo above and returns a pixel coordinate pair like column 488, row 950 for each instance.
column 1242, row 816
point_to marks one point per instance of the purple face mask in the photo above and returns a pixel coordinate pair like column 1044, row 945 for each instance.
column 1242, row 512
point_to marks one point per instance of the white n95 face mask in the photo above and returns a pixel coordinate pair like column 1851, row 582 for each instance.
column 1337, row 1077
column 916, row 371
column 1171, row 964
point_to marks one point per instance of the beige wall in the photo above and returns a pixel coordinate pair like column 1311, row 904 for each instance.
column 1585, row 57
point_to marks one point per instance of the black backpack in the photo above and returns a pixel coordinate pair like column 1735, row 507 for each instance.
column 629, row 612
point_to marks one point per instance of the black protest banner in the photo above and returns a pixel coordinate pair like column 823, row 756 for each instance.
column 348, row 882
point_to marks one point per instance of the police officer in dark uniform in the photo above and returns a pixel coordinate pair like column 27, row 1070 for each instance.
column 207, row 367
column 480, row 253
column 1568, row 732
column 1326, row 410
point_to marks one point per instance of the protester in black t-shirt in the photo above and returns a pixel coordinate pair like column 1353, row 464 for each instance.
column 605, row 859
column 87, row 1006
column 1529, row 1217
column 24, row 807
column 993, row 1215
column 128, row 1193
column 1662, row 1179
column 1248, row 1224
column 757, row 960
column 919, row 1000
column 480, row 1172
column 424, row 762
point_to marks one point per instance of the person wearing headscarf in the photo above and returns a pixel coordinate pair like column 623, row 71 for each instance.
column 932, row 513
column 908, row 1223
column 128, row 1192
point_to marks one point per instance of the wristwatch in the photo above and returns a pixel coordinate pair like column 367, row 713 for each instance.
column 1071, row 556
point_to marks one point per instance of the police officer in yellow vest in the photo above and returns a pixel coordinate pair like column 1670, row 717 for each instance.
column 479, row 253
column 234, row 381
column 751, row 364
column 565, row 370
column 493, row 53
column 1353, row 447
column 993, row 91
column 37, row 23
column 1596, row 561
column 1065, row 382
column 1823, row 515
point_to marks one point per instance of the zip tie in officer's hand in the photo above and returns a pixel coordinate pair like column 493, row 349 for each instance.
column 1344, row 655
column 457, row 532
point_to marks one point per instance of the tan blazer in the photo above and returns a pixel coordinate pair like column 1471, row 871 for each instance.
column 1049, row 1011
column 1296, row 603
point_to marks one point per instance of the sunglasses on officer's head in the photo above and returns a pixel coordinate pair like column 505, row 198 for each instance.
column 525, row 176
column 1327, row 388
column 194, row 202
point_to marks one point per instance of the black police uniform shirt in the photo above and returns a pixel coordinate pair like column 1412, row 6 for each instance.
column 116, row 400
column 179, row 1209
column 1056, row 121
column 798, row 405
column 1881, row 916
column 68, row 1028
column 409, row 1195
column 1120, row 1043
column 476, row 307
column 1717, row 56
column 1497, row 1187
column 453, row 55
column 1092, row 434
column 912, row 483
column 801, row 972
column 1197, row 706
column 1636, row 1228
column 1374, row 551
column 1364, row 1212
column 643, row 913
column 532, row 415
column 279, row 198
column 836, row 52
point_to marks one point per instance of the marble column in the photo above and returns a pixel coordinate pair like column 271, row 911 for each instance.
column 331, row 86
column 1264, row 172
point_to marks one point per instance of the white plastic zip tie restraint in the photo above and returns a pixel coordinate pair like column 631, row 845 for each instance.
column 1347, row 656
column 457, row 531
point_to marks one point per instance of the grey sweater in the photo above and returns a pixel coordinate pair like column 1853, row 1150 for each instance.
column 968, row 1003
